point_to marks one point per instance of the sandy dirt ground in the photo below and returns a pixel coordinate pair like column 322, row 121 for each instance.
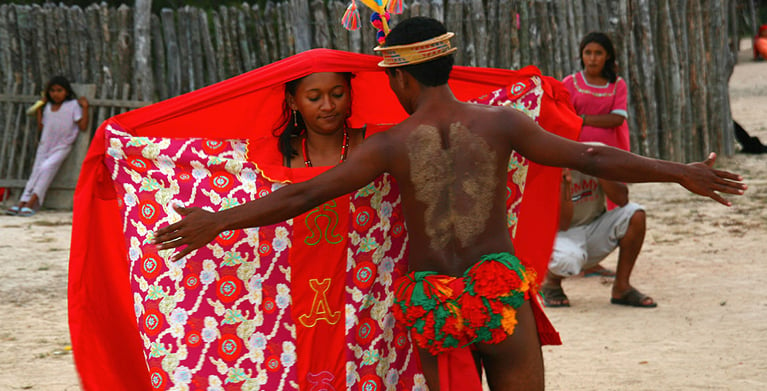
column 704, row 263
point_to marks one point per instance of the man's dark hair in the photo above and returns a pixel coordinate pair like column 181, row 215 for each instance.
column 417, row 29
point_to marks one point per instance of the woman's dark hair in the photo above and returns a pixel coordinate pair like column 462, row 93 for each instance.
column 610, row 71
column 64, row 83
column 416, row 29
column 288, row 126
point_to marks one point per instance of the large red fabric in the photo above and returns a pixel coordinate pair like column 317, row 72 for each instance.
column 104, row 333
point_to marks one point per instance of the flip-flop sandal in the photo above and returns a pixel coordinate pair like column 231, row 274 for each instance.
column 12, row 211
column 603, row 272
column 554, row 297
column 634, row 298
column 26, row 212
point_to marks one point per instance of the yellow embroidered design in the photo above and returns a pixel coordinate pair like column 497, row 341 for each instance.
column 320, row 308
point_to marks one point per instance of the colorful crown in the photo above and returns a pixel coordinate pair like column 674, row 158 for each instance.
column 417, row 52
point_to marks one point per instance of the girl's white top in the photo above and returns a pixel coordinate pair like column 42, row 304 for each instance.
column 60, row 127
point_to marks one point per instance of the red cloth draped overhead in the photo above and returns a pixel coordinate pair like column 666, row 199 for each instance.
column 105, row 338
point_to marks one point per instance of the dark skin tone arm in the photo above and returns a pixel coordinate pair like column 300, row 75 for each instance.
column 603, row 120
column 566, row 200
column 39, row 115
column 200, row 227
column 615, row 191
column 83, row 122
column 617, row 165
column 372, row 159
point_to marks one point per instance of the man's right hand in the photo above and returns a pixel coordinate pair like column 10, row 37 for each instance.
column 197, row 228
column 702, row 179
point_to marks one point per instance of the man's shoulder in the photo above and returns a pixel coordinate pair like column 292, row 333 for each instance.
column 502, row 112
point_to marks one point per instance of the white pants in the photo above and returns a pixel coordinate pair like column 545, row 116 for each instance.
column 47, row 164
column 585, row 246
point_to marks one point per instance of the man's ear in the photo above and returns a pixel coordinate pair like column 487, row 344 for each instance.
column 401, row 77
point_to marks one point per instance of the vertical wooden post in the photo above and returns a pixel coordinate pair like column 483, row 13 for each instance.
column 158, row 51
column 506, row 44
column 321, row 25
column 480, row 32
column 340, row 36
column 211, row 66
column 196, row 50
column 454, row 23
column 143, row 78
column 172, row 51
column 300, row 23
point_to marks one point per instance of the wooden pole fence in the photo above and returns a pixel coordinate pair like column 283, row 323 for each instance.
column 676, row 56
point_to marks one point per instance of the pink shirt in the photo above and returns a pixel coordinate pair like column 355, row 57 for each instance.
column 611, row 98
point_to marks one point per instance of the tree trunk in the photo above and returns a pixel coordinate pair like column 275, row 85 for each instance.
column 142, row 23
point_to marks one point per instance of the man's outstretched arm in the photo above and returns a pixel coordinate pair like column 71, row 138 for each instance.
column 199, row 227
column 614, row 164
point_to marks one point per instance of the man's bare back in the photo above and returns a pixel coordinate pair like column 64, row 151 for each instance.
column 452, row 180
column 450, row 161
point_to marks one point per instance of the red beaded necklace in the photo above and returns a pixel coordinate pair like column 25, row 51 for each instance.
column 344, row 149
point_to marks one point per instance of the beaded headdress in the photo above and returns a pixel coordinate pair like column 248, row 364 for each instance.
column 416, row 52
column 399, row 55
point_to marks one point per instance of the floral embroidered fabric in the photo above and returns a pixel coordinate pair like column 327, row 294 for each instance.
column 224, row 317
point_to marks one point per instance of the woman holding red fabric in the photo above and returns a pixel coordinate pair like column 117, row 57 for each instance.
column 598, row 94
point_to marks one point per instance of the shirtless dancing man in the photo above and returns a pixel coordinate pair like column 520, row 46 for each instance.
column 449, row 159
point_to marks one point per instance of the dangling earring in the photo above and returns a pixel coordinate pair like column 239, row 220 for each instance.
column 295, row 120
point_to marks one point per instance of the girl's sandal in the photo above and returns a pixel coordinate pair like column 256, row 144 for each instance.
column 26, row 212
column 12, row 211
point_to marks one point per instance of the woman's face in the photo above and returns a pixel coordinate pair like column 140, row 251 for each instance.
column 324, row 101
column 594, row 57
column 57, row 93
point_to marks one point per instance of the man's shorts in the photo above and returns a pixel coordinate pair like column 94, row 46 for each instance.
column 585, row 246
column 445, row 312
